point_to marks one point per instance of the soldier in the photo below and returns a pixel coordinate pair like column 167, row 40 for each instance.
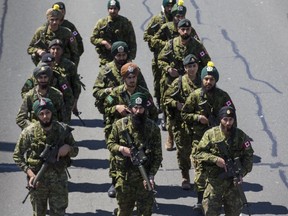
column 110, row 29
column 26, row 115
column 117, row 106
column 66, row 23
column 200, row 112
column 52, row 30
column 67, row 69
column 109, row 75
column 220, row 147
column 170, row 60
column 46, row 133
column 174, row 99
column 153, row 26
column 145, row 137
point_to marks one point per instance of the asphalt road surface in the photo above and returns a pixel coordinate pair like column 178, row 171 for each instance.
column 247, row 41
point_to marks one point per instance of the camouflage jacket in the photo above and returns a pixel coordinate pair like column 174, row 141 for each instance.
column 178, row 91
column 149, row 141
column 167, row 32
column 120, row 96
column 46, row 35
column 112, row 30
column 109, row 77
column 200, row 103
column 26, row 115
column 75, row 32
column 69, row 70
column 59, row 82
column 214, row 144
column 152, row 28
column 32, row 142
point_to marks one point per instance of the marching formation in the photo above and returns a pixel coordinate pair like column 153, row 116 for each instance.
column 200, row 118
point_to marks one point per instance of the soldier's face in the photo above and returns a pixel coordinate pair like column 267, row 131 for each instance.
column 113, row 11
column 227, row 123
column 45, row 117
column 131, row 80
column 43, row 80
column 168, row 9
column 54, row 23
column 184, row 32
column 191, row 69
column 208, row 82
column 177, row 18
column 121, row 58
column 138, row 109
column 56, row 51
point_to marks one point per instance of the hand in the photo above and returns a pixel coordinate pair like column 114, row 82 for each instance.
column 152, row 183
column 108, row 90
column 173, row 72
column 40, row 52
column 125, row 151
column 202, row 119
column 221, row 163
column 31, row 176
column 75, row 107
column 179, row 105
column 122, row 109
column 63, row 151
column 106, row 44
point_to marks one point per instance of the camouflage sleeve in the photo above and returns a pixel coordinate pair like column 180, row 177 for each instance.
column 110, row 104
column 157, row 150
column 247, row 154
column 202, row 54
column 75, row 81
column 73, row 48
column 32, row 48
column 152, row 109
column 99, row 86
column 170, row 94
column 113, row 139
column 28, row 85
column 152, row 27
column 23, row 119
column 80, row 45
column 98, row 33
column 141, row 80
column 69, row 139
column 188, row 111
column 158, row 41
column 21, row 147
column 164, row 58
column 131, row 41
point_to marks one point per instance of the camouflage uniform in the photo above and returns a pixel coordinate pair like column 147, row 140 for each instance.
column 46, row 35
column 53, row 186
column 109, row 77
column 59, row 82
column 112, row 30
column 215, row 100
column 129, row 182
column 221, row 191
column 179, row 90
column 26, row 115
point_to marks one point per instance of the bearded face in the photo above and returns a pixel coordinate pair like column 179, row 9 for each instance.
column 138, row 118
column 45, row 118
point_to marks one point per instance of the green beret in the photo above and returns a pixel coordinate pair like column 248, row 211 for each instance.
column 167, row 2
column 55, row 42
column 41, row 104
column 210, row 69
column 138, row 98
column 42, row 69
column 119, row 47
column 184, row 23
column 115, row 3
column 190, row 59
column 178, row 9
column 226, row 111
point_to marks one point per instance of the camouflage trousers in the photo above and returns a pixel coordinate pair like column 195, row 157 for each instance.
column 157, row 73
column 183, row 141
column 200, row 176
column 221, row 192
column 53, row 189
column 131, row 192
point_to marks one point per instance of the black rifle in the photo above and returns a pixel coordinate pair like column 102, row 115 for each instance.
column 234, row 167
column 138, row 158
column 208, row 111
column 49, row 157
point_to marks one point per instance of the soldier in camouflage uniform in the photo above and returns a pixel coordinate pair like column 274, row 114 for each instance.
column 26, row 115
column 170, row 60
column 152, row 28
column 52, row 30
column 110, row 29
column 145, row 134
column 109, row 75
column 57, row 80
column 66, row 23
column 218, row 145
column 52, row 187
column 117, row 106
column 200, row 113
column 67, row 69
column 174, row 99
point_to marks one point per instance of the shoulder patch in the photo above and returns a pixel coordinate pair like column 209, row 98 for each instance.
column 110, row 99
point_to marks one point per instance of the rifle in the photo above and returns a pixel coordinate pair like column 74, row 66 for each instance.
column 49, row 157
column 208, row 110
column 78, row 115
column 234, row 172
column 138, row 158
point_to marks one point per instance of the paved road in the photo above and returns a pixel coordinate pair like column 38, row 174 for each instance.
column 248, row 43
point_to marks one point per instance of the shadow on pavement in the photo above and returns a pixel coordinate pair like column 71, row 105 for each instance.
column 88, row 187
column 95, row 123
column 91, row 163
column 92, row 144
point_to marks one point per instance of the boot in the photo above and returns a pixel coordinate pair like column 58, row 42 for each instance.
column 185, row 180
column 170, row 142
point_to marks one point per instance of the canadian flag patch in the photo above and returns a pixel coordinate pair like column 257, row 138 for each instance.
column 64, row 87
column 246, row 144
column 202, row 53
column 228, row 103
